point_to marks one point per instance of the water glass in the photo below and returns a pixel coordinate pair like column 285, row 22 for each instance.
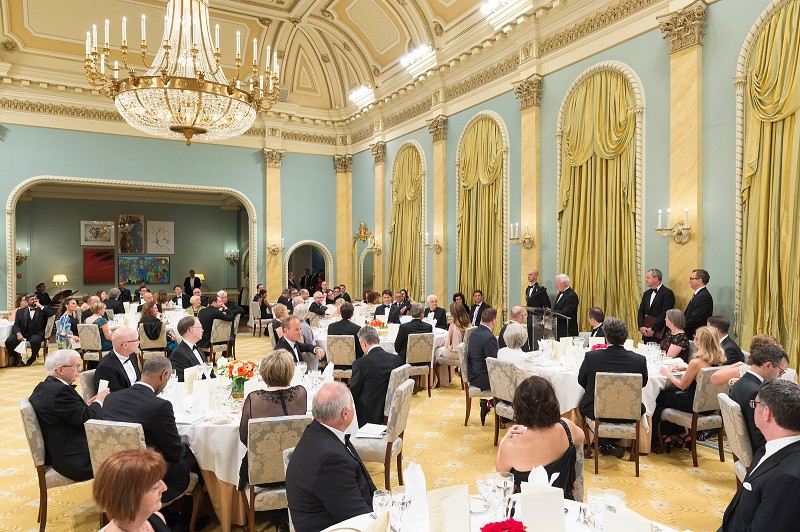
column 504, row 482
column 594, row 497
column 401, row 500
column 301, row 368
column 381, row 502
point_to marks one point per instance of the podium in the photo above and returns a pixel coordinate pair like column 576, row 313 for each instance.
column 543, row 323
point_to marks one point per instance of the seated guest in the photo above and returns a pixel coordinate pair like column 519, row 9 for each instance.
column 138, row 296
column 208, row 315
column 596, row 316
column 482, row 345
column 264, row 305
column 181, row 300
column 279, row 313
column 199, row 293
column 195, row 306
column 477, row 309
column 738, row 369
column 285, row 299
column 402, row 302
column 124, row 293
column 29, row 325
column 305, row 295
column 371, row 302
column 186, row 354
column 102, row 295
column 415, row 326
column 21, row 302
column 152, row 325
column 514, row 338
column 120, row 367
column 709, row 354
column 720, row 325
column 140, row 404
column 61, row 412
column 330, row 299
column 318, row 306
column 764, row 500
column 228, row 307
column 279, row 399
column 370, row 378
column 387, row 308
column 614, row 359
column 345, row 327
column 85, row 305
column 259, row 288
column 326, row 481
column 128, row 490
column 517, row 315
column 337, row 306
column 292, row 342
column 458, row 297
column 675, row 342
column 459, row 321
column 41, row 293
column 114, row 302
column 541, row 437
column 147, row 297
column 343, row 293
column 301, row 311
column 98, row 317
column 435, row 313
column 67, row 326
column 162, row 299
column 86, row 312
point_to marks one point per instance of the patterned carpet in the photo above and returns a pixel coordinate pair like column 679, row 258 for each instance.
column 669, row 489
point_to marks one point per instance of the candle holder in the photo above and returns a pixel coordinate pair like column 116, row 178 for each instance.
column 680, row 232
column 275, row 248
column 436, row 246
column 526, row 240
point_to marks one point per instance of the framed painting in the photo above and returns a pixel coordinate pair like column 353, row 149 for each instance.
column 94, row 233
column 98, row 266
column 130, row 234
column 148, row 268
column 160, row 238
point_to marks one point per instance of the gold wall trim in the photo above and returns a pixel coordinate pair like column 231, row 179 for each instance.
column 72, row 111
column 378, row 152
column 312, row 138
column 404, row 115
column 363, row 133
column 343, row 164
column 685, row 27
column 506, row 66
column 438, row 128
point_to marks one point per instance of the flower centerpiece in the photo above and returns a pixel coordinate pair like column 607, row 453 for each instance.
column 378, row 324
column 509, row 525
column 239, row 371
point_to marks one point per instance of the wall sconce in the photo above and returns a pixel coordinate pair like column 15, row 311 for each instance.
column 201, row 277
column 680, row 232
column 232, row 256
column 374, row 247
column 22, row 256
column 274, row 249
column 436, row 246
column 60, row 279
column 514, row 237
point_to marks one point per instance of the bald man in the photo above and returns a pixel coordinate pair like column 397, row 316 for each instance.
column 518, row 315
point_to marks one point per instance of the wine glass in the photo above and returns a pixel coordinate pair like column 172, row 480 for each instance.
column 504, row 482
column 206, row 369
column 401, row 500
column 594, row 496
column 381, row 502
column 301, row 368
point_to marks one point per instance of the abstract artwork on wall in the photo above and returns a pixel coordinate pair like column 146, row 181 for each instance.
column 152, row 270
column 130, row 238
column 160, row 238
column 98, row 266
column 94, row 233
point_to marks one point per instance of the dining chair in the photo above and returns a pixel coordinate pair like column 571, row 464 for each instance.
column 91, row 348
column 504, row 377
column 48, row 477
column 617, row 396
column 109, row 314
column 390, row 445
column 220, row 338
column 287, row 456
column 271, row 331
column 341, row 352
column 233, row 335
column 704, row 415
column 256, row 321
column 48, row 331
column 419, row 351
column 443, row 360
column 738, row 436
column 87, row 384
column 397, row 377
column 314, row 319
column 469, row 391
column 149, row 348
column 267, row 439
column 578, row 486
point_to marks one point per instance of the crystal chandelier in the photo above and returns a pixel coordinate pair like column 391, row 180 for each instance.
column 184, row 92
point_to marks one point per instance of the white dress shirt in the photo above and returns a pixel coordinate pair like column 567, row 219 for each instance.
column 127, row 366
column 193, row 349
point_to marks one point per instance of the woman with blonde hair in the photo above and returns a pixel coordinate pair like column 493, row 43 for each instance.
column 279, row 312
column 709, row 354
column 98, row 317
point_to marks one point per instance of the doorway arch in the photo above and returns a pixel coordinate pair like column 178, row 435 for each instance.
column 322, row 249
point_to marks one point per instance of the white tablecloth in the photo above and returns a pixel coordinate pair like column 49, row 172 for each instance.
column 5, row 329
column 387, row 341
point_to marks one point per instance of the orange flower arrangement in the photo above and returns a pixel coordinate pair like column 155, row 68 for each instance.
column 241, row 369
column 377, row 323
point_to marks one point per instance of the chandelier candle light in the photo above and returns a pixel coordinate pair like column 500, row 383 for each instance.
column 184, row 92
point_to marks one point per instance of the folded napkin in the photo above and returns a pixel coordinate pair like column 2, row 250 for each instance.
column 327, row 374
column 541, row 506
column 416, row 488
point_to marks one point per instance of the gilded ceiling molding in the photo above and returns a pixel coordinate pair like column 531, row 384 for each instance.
column 378, row 152
column 345, row 38
column 343, row 164
column 256, row 132
column 72, row 111
column 529, row 92
column 684, row 28
column 438, row 128
column 273, row 158
column 484, row 77
column 424, row 19
column 592, row 24
column 313, row 138
column 408, row 113
column 10, row 46
column 363, row 133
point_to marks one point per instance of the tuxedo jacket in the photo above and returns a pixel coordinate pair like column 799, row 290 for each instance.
column 662, row 302
column 346, row 297
column 765, row 501
column 344, row 328
column 190, row 284
column 62, row 413
column 115, row 305
column 304, row 280
column 288, row 302
column 325, row 483
column 568, row 306
column 183, row 358
column 138, row 404
column 394, row 312
column 283, row 343
column 536, row 296
column 23, row 323
column 613, row 359
column 598, row 332
column 125, row 295
column 207, row 316
column 291, row 284
column 501, row 342
column 699, row 309
column 110, row 368
column 183, row 300
column 482, row 345
column 44, row 298
column 369, row 383
column 476, row 319
column 410, row 327
column 316, row 308
column 440, row 316
column 745, row 389
column 732, row 351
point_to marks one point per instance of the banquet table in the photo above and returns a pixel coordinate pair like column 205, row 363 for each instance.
column 387, row 339
column 5, row 332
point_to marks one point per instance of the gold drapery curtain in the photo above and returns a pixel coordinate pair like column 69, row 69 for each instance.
column 479, row 265
column 405, row 229
column 597, row 196
column 770, row 278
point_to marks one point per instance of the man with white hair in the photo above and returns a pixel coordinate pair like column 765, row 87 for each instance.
column 567, row 305
column 318, row 305
column 436, row 313
column 62, row 412
column 113, row 302
column 517, row 315
column 230, row 308
column 326, row 481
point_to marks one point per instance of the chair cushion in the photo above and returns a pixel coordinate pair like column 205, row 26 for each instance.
column 193, row 478
column 684, row 419
column 504, row 409
column 419, row 370
column 342, row 373
column 444, row 361
column 608, row 429
column 54, row 479
column 91, row 356
column 474, row 391
column 374, row 449
column 271, row 498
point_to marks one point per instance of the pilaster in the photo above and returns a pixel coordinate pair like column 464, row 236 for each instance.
column 344, row 220
column 379, row 156
column 438, row 130
column 272, row 232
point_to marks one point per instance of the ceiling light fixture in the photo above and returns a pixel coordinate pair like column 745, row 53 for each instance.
column 419, row 60
column 362, row 96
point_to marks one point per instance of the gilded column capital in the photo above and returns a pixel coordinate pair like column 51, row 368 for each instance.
column 273, row 158
column 684, row 28
column 378, row 152
column 529, row 92
column 343, row 163
column 438, row 128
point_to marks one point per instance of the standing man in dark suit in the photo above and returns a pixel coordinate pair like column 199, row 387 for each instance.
column 62, row 413
column 482, row 345
column 140, row 404
column 371, row 377
column 208, row 315
column 29, row 325
column 476, row 311
column 187, row 354
column 656, row 301
column 124, row 293
column 291, row 341
column 435, row 312
column 596, row 317
column 191, row 282
column 614, row 359
column 535, row 297
column 415, row 326
column 41, row 293
column 388, row 306
column 517, row 314
column 181, row 299
column 326, row 481
column 767, row 362
column 290, row 283
column 720, row 325
column 346, row 327
column 114, row 302
column 567, row 305
column 765, row 499
column 701, row 306
column 120, row 367
column 305, row 279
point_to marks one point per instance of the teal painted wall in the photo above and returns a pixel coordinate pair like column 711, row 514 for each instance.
column 363, row 210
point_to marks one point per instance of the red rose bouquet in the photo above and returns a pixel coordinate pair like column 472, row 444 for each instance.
column 509, row 525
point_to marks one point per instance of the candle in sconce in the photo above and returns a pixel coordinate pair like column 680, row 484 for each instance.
column 94, row 36
column 88, row 43
column 659, row 226
column 686, row 217
column 144, row 28
column 216, row 36
column 106, row 34
column 124, row 30
column 516, row 230
column 526, row 229
column 282, row 243
column 238, row 44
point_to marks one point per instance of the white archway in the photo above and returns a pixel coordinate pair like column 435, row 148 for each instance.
column 321, row 247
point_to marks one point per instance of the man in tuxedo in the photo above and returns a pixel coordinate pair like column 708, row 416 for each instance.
column 191, row 282
column 415, row 326
column 371, row 377
column 291, row 341
column 701, row 306
column 41, row 293
column 137, row 296
column 124, row 293
column 259, row 288
column 230, row 308
column 392, row 308
column 207, row 316
column 656, row 301
column 290, row 283
column 29, row 325
column 614, row 359
column 318, row 306
column 720, row 325
column 114, row 302
column 595, row 317
column 140, row 404
column 476, row 311
column 343, row 293
column 120, row 367
column 765, row 499
column 435, row 312
column 305, row 279
column 566, row 304
column 346, row 327
column 62, row 412
column 482, row 345
column 326, row 481
column 285, row 299
column 187, row 354
column 517, row 314
column 147, row 297
column 203, row 299
column 767, row 362
column 535, row 297
column 181, row 299
column 402, row 303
